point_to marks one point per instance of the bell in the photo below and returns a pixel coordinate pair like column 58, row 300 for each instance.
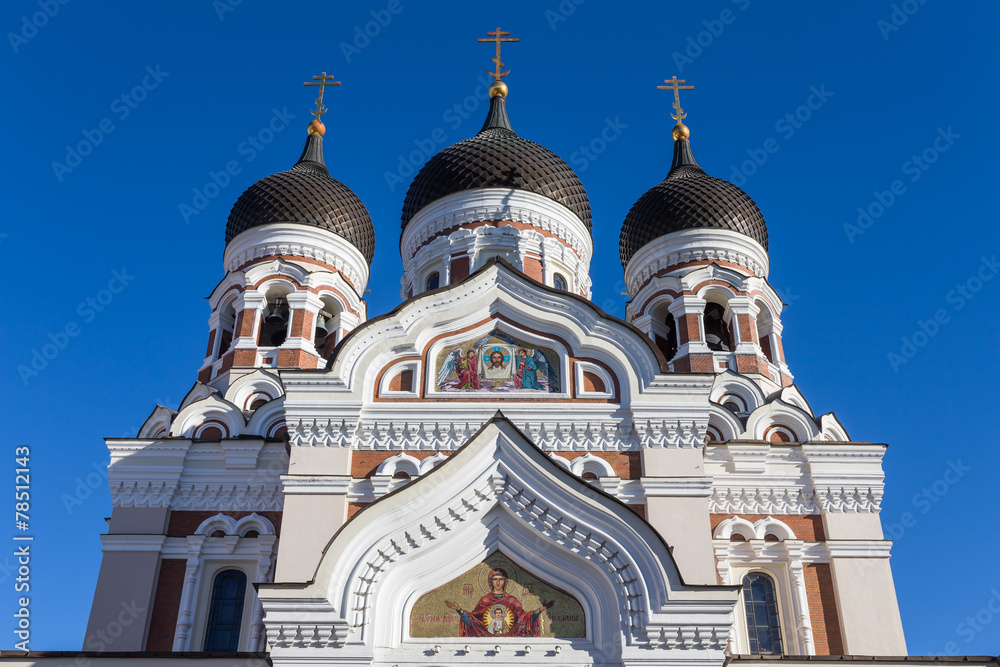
column 277, row 314
column 324, row 323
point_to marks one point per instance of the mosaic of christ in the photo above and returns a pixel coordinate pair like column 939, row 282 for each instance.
column 497, row 363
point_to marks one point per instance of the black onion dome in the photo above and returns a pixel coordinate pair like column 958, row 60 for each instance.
column 308, row 195
column 497, row 158
column 688, row 198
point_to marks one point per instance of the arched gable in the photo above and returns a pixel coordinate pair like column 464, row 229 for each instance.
column 498, row 492
column 498, row 296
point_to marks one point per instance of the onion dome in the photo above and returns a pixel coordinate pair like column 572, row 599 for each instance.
column 497, row 158
column 688, row 198
column 305, row 194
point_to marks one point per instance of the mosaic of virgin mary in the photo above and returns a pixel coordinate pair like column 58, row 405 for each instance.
column 498, row 613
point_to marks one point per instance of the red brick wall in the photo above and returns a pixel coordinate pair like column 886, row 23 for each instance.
column 245, row 324
column 302, row 324
column 354, row 508
column 166, row 603
column 823, row 609
column 459, row 269
column 533, row 268
column 592, row 383
column 184, row 523
column 402, row 381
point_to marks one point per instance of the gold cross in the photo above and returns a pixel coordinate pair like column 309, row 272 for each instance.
column 498, row 37
column 674, row 85
column 321, row 81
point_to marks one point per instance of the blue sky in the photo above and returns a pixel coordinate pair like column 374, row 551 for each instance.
column 902, row 127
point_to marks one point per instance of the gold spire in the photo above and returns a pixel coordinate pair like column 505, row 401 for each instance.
column 316, row 126
column 498, row 87
column 674, row 84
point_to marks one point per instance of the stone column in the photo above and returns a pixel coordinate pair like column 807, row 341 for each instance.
column 189, row 593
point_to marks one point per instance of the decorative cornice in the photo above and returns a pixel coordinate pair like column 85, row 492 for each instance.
column 564, row 435
column 694, row 245
column 247, row 496
column 489, row 204
column 296, row 240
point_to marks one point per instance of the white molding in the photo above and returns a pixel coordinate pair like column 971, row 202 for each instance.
column 495, row 204
column 315, row 484
column 692, row 245
column 298, row 240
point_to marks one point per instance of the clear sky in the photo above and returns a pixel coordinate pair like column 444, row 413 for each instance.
column 816, row 109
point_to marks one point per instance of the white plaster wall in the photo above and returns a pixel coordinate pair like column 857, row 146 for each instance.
column 866, row 602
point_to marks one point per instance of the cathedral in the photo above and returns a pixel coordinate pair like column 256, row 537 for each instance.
column 496, row 471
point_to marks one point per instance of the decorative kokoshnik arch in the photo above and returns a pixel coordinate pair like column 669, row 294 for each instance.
column 498, row 493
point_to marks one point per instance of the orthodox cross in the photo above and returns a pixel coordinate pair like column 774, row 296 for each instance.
column 321, row 81
column 674, row 84
column 498, row 36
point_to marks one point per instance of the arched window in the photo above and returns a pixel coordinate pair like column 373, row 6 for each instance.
column 433, row 281
column 716, row 330
column 274, row 328
column 668, row 343
column 227, row 331
column 225, row 611
column 761, row 604
column 558, row 281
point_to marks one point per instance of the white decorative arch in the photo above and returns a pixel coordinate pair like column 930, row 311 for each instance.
column 771, row 526
column 793, row 396
column 399, row 463
column 231, row 526
column 157, row 424
column 260, row 383
column 498, row 492
column 197, row 392
column 725, row 422
column 758, row 530
column 432, row 462
column 730, row 382
column 589, row 463
column 267, row 418
column 188, row 420
column 779, row 413
column 734, row 525
column 832, row 428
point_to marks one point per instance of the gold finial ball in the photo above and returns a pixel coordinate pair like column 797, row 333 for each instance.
column 680, row 131
column 317, row 127
column 498, row 89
